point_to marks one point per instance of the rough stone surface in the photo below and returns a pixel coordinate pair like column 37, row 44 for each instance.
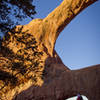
column 30, row 68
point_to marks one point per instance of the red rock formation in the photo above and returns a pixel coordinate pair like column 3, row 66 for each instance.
column 30, row 69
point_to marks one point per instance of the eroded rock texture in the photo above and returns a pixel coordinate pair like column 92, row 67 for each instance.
column 30, row 68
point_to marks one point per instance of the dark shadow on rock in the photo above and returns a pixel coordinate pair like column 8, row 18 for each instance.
column 61, row 83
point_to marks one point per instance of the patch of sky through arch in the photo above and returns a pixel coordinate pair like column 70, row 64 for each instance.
column 79, row 43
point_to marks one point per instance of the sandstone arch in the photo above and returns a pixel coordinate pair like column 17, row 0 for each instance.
column 31, row 47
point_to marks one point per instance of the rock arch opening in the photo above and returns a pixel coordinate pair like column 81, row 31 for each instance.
column 78, row 44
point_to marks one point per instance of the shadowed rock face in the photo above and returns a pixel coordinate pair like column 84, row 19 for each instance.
column 61, row 83
column 30, row 68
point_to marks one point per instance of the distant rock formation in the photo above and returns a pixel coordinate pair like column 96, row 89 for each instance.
column 30, row 68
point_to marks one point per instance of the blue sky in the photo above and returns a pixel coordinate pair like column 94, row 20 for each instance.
column 79, row 43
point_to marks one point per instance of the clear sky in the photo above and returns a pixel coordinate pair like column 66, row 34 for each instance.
column 79, row 43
